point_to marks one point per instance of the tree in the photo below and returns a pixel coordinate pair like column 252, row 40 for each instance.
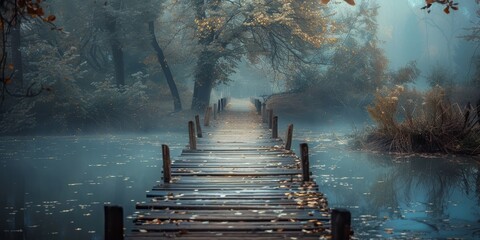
column 279, row 31
column 177, row 103
column 11, row 13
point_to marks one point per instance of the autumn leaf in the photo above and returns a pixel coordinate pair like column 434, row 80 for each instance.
column 7, row 80
column 351, row 2
column 51, row 18
column 10, row 66
column 325, row 1
column 447, row 10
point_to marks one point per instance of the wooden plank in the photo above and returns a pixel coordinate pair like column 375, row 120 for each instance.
column 180, row 206
column 234, row 226
column 266, row 235
column 238, row 215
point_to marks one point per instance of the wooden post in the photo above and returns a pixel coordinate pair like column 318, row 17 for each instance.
column 206, row 120
column 288, row 139
column 305, row 162
column 219, row 106
column 167, row 164
column 113, row 222
column 270, row 118
column 222, row 102
column 341, row 222
column 215, row 111
column 191, row 136
column 275, row 127
column 258, row 106
column 264, row 113
column 199, row 128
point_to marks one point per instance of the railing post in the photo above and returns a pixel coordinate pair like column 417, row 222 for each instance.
column 341, row 224
column 264, row 113
column 214, row 111
column 167, row 164
column 288, row 139
column 258, row 106
column 199, row 128
column 275, row 127
column 113, row 222
column 270, row 118
column 191, row 136
column 206, row 120
column 305, row 162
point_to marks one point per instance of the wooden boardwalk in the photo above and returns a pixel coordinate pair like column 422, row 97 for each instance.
column 238, row 183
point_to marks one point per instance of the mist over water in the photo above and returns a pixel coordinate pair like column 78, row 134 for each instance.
column 57, row 174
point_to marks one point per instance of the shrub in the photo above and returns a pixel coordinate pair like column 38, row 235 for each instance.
column 435, row 125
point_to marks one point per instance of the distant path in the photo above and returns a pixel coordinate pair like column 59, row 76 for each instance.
column 239, row 184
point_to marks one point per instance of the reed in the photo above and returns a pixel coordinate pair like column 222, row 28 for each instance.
column 435, row 125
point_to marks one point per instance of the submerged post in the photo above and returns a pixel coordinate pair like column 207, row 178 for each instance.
column 305, row 162
column 206, row 120
column 167, row 164
column 191, row 136
column 275, row 127
column 341, row 222
column 113, row 222
column 288, row 139
column 199, row 128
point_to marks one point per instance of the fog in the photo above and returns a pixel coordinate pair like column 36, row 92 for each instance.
column 386, row 93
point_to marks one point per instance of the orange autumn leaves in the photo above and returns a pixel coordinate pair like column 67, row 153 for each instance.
column 449, row 4
column 34, row 9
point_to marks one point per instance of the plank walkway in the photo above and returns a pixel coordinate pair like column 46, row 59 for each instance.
column 239, row 183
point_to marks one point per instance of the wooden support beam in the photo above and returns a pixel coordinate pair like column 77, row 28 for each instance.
column 167, row 164
column 341, row 224
column 305, row 162
column 199, row 127
column 113, row 222
column 275, row 127
column 206, row 120
column 288, row 138
column 191, row 136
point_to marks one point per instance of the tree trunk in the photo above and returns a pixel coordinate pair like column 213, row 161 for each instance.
column 17, row 57
column 177, row 103
column 204, row 78
column 116, row 47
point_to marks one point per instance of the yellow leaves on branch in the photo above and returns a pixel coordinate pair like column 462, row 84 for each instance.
column 304, row 19
column 209, row 24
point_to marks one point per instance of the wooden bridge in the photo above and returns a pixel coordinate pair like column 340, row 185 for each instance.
column 237, row 180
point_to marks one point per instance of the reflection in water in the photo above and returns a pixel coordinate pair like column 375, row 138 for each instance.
column 397, row 197
column 60, row 184
column 66, row 181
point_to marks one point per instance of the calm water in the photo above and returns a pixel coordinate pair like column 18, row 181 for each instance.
column 397, row 197
column 67, row 180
